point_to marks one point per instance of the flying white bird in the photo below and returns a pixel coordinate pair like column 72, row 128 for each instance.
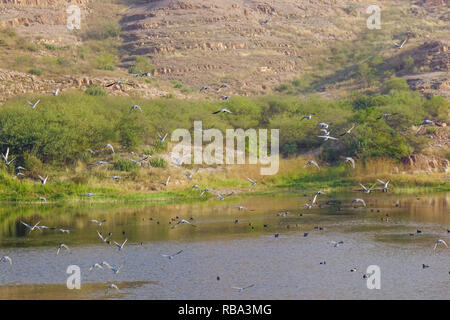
column 102, row 239
column 308, row 117
column 359, row 200
column 224, row 110
column 243, row 288
column 55, row 93
column 386, row 115
column 62, row 246
column 224, row 86
column 327, row 137
column 161, row 138
column 99, row 223
column 115, row 270
column 119, row 82
column 6, row 259
column 324, row 125
column 351, row 161
column 171, row 256
column 326, row 132
column 89, row 194
column 5, row 157
column 189, row 175
column 33, row 105
column 182, row 221
column 253, row 182
column 30, row 228
column 100, row 162
column 349, row 131
column 40, row 228
column 112, row 286
column 384, row 185
column 109, row 146
column 135, row 107
column 316, row 195
column 365, row 190
column 313, row 163
column 43, row 180
column 337, row 243
column 440, row 241
column 120, row 246
column 165, row 184
column 95, row 265
column 399, row 46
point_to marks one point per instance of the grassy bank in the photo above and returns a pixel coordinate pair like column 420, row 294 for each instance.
column 54, row 140
column 293, row 177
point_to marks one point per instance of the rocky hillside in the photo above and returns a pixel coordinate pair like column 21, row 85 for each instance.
column 254, row 45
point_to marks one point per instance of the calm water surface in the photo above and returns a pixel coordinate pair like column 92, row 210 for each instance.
column 242, row 253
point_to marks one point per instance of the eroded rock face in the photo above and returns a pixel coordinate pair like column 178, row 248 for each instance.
column 203, row 41
column 14, row 83
column 427, row 163
column 433, row 61
column 34, row 15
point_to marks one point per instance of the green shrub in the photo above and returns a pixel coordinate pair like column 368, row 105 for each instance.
column 106, row 61
column 397, row 84
column 141, row 65
column 96, row 91
column 8, row 32
column 63, row 62
column 103, row 32
column 49, row 46
column 32, row 48
column 130, row 132
column 124, row 165
column 35, row 72
column 60, row 132
column 158, row 163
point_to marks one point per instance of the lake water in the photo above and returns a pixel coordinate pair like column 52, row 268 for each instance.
column 241, row 253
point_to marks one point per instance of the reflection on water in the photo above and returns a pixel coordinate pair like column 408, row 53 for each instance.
column 237, row 246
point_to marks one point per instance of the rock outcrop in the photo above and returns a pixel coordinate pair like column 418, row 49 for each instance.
column 14, row 83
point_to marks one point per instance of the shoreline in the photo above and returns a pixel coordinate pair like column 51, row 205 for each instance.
column 184, row 195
